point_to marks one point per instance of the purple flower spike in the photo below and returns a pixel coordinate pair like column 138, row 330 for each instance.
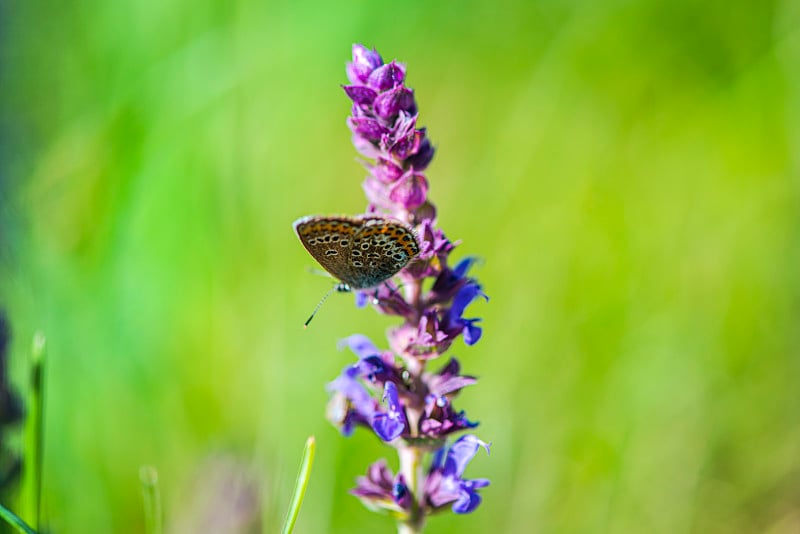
column 445, row 483
column 392, row 392
column 391, row 424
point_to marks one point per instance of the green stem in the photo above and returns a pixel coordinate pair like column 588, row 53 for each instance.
column 410, row 456
column 34, row 434
column 411, row 469
column 14, row 520
column 148, row 476
column 300, row 485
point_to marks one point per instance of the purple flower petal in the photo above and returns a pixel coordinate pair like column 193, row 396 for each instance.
column 376, row 193
column 445, row 484
column 369, row 129
column 410, row 191
column 423, row 156
column 386, row 171
column 365, row 56
column 466, row 502
column 372, row 367
column 391, row 302
column 440, row 419
column 350, row 404
column 362, row 298
column 400, row 139
column 359, row 94
column 365, row 147
column 401, row 494
column 448, row 380
column 389, row 103
column 361, row 345
column 469, row 498
column 380, row 489
column 463, row 266
column 391, row 424
column 465, row 295
column 355, row 393
column 401, row 143
column 472, row 333
column 376, row 483
column 461, row 452
column 387, row 76
column 452, row 368
column 364, row 62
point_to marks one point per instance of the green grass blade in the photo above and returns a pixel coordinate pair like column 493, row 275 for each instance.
column 300, row 486
column 34, row 435
column 152, row 499
column 14, row 520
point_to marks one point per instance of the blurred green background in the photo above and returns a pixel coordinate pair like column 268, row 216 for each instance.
column 629, row 171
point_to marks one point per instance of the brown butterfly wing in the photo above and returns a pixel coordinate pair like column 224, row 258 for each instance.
column 329, row 240
column 381, row 248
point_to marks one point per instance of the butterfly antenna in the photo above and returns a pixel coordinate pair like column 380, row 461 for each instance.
column 324, row 298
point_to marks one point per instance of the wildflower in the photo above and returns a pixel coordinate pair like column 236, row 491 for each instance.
column 391, row 423
column 389, row 392
column 440, row 419
column 456, row 323
column 445, row 484
column 381, row 490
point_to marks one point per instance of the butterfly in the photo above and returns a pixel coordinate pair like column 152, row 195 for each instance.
column 361, row 252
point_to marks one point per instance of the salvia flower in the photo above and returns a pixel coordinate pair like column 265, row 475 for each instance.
column 445, row 483
column 374, row 392
column 440, row 419
column 389, row 424
column 390, row 393
column 384, row 126
column 381, row 490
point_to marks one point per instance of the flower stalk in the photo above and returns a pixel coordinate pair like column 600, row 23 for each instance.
column 392, row 392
